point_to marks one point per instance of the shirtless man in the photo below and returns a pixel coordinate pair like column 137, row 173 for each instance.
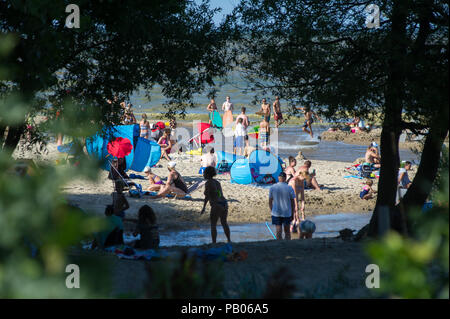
column 372, row 156
column 309, row 119
column 278, row 116
column 265, row 110
column 297, row 184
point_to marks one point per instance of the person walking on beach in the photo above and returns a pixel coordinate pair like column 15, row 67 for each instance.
column 297, row 184
column 278, row 116
column 219, row 205
column 310, row 115
column 282, row 206
column 144, row 126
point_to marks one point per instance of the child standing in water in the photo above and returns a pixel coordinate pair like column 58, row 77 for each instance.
column 367, row 192
column 147, row 228
column 264, row 133
column 309, row 119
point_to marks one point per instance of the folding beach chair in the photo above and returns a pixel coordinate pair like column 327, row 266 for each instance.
column 205, row 136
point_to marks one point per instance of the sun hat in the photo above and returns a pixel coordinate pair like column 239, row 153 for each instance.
column 171, row 164
column 147, row 169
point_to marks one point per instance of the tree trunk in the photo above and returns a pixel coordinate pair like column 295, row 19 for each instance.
column 13, row 138
column 422, row 184
column 382, row 218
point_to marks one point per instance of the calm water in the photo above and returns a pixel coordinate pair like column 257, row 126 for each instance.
column 290, row 140
column 326, row 226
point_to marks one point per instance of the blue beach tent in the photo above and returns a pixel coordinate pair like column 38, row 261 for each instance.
column 145, row 152
column 261, row 167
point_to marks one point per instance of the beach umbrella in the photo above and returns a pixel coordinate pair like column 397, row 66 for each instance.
column 119, row 147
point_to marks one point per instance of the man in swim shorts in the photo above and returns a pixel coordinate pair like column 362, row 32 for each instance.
column 278, row 116
column 309, row 119
column 282, row 206
column 265, row 110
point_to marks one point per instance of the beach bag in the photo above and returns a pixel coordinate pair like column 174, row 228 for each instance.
column 366, row 171
column 223, row 167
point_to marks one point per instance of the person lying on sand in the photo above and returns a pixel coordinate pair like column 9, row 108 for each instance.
column 154, row 180
column 372, row 157
column 310, row 178
column 367, row 192
column 147, row 228
column 219, row 205
column 166, row 145
column 309, row 119
column 175, row 183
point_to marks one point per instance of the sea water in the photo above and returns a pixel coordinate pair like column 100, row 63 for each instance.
column 326, row 226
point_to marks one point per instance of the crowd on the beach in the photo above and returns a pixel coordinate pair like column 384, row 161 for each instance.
column 286, row 198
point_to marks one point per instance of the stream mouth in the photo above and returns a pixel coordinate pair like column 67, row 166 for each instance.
column 326, row 226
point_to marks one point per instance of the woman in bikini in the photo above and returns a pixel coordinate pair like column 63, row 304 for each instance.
column 212, row 106
column 219, row 205
column 166, row 145
column 144, row 126
column 290, row 170
column 155, row 181
column 175, row 183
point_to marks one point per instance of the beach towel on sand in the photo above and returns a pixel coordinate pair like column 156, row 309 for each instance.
column 187, row 196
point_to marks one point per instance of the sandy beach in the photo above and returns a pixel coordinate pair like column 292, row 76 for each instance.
column 247, row 203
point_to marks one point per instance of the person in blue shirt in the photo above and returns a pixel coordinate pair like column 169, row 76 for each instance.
column 282, row 206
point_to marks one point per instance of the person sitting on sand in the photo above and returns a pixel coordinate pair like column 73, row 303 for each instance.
column 282, row 206
column 306, row 229
column 112, row 234
column 208, row 159
column 120, row 203
column 147, row 229
column 367, row 192
column 264, row 133
column 278, row 116
column 175, row 183
column 372, row 157
column 309, row 119
column 218, row 203
column 403, row 178
column 154, row 180
column 310, row 178
column 166, row 145
column 297, row 184
column 290, row 170
column 144, row 126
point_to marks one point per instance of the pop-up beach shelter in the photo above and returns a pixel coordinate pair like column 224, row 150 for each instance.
column 261, row 167
column 145, row 152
